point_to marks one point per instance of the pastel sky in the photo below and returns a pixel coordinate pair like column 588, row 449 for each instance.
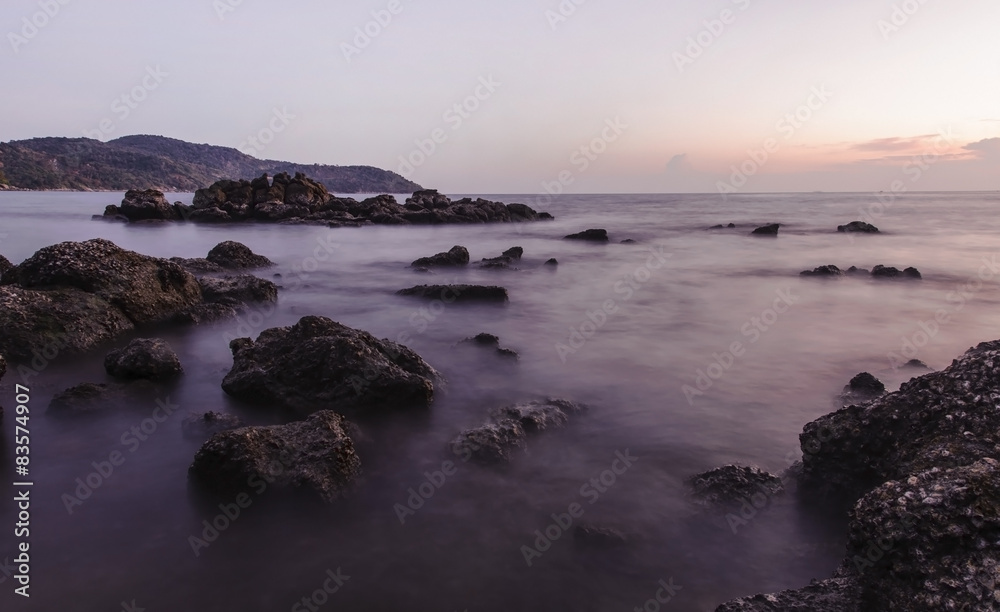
column 600, row 96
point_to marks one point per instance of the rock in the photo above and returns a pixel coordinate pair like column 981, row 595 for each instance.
column 145, row 289
column 863, row 387
column 508, row 353
column 145, row 205
column 834, row 595
column 207, row 424
column 552, row 262
column 458, row 293
column 830, row 270
column 505, row 261
column 235, row 256
column 3, row 367
column 943, row 529
column 514, row 252
column 484, row 340
column 767, row 230
column 207, row 313
column 4, row 265
column 87, row 398
column 628, row 241
column 315, row 456
column 916, row 363
column 150, row 358
column 244, row 288
column 732, row 485
column 731, row 225
column 592, row 536
column 54, row 322
column 858, row 226
column 457, row 256
column 889, row 272
column 856, row 270
column 318, row 364
column 507, row 429
column 593, row 235
column 209, row 215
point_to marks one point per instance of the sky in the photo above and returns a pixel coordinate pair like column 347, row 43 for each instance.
column 532, row 96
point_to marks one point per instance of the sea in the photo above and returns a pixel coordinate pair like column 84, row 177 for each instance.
column 691, row 347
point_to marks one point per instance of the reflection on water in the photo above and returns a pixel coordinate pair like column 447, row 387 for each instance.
column 625, row 328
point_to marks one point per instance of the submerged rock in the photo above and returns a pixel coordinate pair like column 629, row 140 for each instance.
column 207, row 424
column 457, row 256
column 508, row 427
column 552, row 262
column 858, row 226
column 87, row 398
column 150, row 358
column 593, row 235
column 244, row 288
column 320, row 364
column 315, row 456
column 506, row 259
column 863, row 387
column 458, row 293
column 236, row 256
column 732, row 485
column 890, row 272
column 592, row 536
column 767, row 230
column 491, row 341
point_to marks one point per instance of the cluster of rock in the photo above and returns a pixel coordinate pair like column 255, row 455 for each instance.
column 772, row 229
column 459, row 256
column 490, row 341
column 508, row 427
column 299, row 199
column 458, row 293
column 876, row 272
column 920, row 468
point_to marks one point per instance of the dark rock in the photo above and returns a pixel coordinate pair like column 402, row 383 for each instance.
column 505, row 261
column 55, row 321
column 916, row 363
column 145, row 205
column 150, row 358
column 4, row 265
column 856, row 270
column 145, row 289
column 544, row 216
column 732, row 485
column 235, row 256
column 863, row 387
column 458, row 293
column 244, row 288
column 552, row 262
column 834, row 595
column 767, row 230
column 3, row 367
column 912, row 273
column 209, row 215
column 204, row 425
column 88, row 398
column 457, row 256
column 889, row 272
column 318, row 364
column 593, row 235
column 830, row 270
column 514, row 252
column 508, row 353
column 508, row 427
column 592, row 536
column 628, row 241
column 207, row 313
column 484, row 340
column 731, row 225
column 315, row 456
column 858, row 226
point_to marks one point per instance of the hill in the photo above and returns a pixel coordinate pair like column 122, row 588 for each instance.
column 167, row 164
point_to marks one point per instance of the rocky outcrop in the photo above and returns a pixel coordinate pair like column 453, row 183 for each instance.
column 491, row 341
column 207, row 424
column 830, row 270
column 505, row 261
column 508, row 427
column 919, row 466
column 148, row 205
column 592, row 235
column 458, row 293
column 320, row 364
column 315, row 456
column 767, row 230
column 457, row 256
column 299, row 199
column 858, row 226
column 732, row 485
column 4, row 265
column 150, row 358
column 144, row 288
column 231, row 255
column 889, row 272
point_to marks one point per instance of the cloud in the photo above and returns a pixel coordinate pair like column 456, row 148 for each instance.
column 988, row 149
column 679, row 164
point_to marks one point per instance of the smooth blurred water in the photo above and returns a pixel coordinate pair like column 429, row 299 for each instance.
column 462, row 549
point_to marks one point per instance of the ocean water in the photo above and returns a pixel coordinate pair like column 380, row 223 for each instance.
column 692, row 349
